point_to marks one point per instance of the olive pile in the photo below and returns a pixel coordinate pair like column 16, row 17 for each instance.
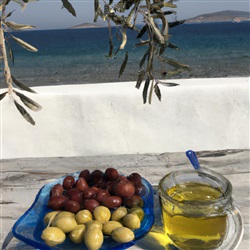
column 94, row 205
column 91, row 227
column 91, row 190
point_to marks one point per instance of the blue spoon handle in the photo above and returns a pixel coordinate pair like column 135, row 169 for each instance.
column 193, row 159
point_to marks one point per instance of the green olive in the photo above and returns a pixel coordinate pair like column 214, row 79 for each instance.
column 77, row 234
column 102, row 214
column 93, row 224
column 131, row 221
column 109, row 226
column 65, row 213
column 49, row 217
column 119, row 213
column 83, row 216
column 53, row 236
column 122, row 235
column 66, row 223
column 137, row 211
column 93, row 238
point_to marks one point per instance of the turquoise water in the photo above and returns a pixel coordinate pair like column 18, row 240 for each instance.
column 74, row 56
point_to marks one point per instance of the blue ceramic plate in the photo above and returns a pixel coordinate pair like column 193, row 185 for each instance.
column 29, row 226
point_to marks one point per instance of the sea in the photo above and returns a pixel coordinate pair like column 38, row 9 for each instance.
column 80, row 56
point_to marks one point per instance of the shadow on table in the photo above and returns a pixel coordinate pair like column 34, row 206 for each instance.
column 157, row 240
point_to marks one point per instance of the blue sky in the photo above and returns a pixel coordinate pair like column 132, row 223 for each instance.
column 48, row 14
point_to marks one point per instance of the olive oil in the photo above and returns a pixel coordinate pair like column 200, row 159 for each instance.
column 204, row 228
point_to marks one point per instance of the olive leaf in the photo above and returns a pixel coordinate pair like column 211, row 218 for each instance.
column 3, row 95
column 140, row 78
column 122, row 5
column 157, row 91
column 123, row 66
column 169, row 12
column 22, row 86
column 167, row 84
column 158, row 5
column 9, row 14
column 96, row 9
column 24, row 44
column 172, row 46
column 29, row 1
column 24, row 113
column 34, row 106
column 174, row 72
column 124, row 39
column 173, row 24
column 6, row 2
column 150, row 61
column 144, row 58
column 151, row 92
column 145, row 90
column 143, row 43
column 154, row 30
column 175, row 64
column 142, row 31
column 111, row 46
column 17, row 26
column 21, row 3
column 69, row 7
column 11, row 54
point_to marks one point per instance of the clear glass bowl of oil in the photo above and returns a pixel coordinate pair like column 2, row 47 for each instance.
column 198, row 212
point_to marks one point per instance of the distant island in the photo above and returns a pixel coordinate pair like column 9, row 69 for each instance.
column 85, row 25
column 221, row 16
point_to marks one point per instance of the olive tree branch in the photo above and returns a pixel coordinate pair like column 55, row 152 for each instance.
column 7, row 72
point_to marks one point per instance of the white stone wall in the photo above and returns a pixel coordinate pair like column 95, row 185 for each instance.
column 106, row 119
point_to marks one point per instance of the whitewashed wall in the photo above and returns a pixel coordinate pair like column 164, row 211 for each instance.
column 99, row 119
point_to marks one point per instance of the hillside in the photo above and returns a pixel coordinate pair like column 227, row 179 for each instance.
column 221, row 16
column 85, row 25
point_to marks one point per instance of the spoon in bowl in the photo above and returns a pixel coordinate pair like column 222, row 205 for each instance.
column 193, row 159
